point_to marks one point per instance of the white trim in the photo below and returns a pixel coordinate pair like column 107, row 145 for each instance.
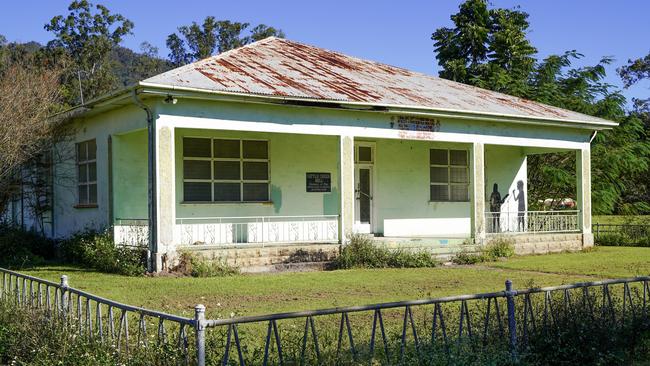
column 365, row 132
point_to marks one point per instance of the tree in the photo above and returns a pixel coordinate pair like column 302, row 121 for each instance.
column 83, row 42
column 130, row 67
column 489, row 48
column 196, row 42
column 28, row 96
column 634, row 72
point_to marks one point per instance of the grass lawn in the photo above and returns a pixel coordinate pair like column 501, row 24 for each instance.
column 621, row 219
column 265, row 293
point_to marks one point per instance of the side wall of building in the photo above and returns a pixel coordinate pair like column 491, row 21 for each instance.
column 69, row 217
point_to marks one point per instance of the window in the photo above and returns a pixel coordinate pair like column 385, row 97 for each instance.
column 87, row 173
column 449, row 175
column 225, row 170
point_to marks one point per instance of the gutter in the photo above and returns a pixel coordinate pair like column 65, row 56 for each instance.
column 152, row 253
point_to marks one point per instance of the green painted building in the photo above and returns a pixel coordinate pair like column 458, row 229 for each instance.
column 279, row 143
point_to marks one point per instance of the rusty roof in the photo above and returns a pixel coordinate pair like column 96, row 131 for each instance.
column 283, row 68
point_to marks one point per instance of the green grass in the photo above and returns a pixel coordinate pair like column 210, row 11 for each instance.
column 621, row 219
column 265, row 293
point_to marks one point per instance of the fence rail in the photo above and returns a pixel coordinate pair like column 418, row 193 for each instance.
column 392, row 331
column 632, row 232
column 95, row 317
column 562, row 221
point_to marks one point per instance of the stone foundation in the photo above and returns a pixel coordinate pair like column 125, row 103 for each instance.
column 318, row 256
column 272, row 258
column 543, row 243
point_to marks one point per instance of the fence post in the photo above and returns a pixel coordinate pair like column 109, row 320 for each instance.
column 512, row 323
column 199, row 328
column 64, row 295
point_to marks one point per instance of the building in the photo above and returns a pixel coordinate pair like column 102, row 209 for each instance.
column 279, row 143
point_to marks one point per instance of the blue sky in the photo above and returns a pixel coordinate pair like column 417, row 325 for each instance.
column 394, row 32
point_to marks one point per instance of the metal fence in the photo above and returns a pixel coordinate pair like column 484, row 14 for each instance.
column 631, row 232
column 388, row 333
column 100, row 319
column 562, row 221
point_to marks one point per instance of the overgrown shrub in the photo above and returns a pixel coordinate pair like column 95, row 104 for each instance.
column 468, row 257
column 195, row 265
column 19, row 248
column 98, row 251
column 499, row 247
column 362, row 252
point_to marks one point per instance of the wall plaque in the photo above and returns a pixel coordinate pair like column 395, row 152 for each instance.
column 319, row 182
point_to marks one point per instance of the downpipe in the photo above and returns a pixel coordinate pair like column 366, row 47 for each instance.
column 152, row 252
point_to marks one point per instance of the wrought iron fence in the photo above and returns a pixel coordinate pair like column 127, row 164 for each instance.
column 629, row 233
column 563, row 221
column 257, row 230
column 106, row 321
column 446, row 329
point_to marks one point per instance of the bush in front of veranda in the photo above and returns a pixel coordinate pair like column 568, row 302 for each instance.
column 195, row 265
column 20, row 248
column 362, row 252
column 497, row 248
column 97, row 250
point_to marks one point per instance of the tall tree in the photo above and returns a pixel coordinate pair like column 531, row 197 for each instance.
column 195, row 42
column 83, row 41
column 489, row 48
column 632, row 73
column 638, row 190
column 486, row 47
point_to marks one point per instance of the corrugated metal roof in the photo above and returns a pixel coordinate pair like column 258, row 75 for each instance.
column 279, row 67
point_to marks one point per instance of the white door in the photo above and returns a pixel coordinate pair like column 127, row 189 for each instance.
column 364, row 187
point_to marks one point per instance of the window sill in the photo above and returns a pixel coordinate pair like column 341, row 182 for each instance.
column 86, row 206
column 263, row 203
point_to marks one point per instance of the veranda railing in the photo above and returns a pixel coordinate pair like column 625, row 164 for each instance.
column 391, row 332
column 562, row 221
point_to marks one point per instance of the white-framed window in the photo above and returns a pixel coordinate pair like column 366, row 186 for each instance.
column 225, row 170
column 87, row 173
column 449, row 175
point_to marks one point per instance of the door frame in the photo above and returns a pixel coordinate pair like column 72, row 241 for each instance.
column 365, row 228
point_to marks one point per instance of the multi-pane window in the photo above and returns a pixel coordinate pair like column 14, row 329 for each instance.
column 225, row 170
column 87, row 172
column 449, row 175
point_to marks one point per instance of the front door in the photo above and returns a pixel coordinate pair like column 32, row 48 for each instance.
column 364, row 186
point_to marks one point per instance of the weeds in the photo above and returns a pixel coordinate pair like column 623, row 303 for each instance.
column 362, row 252
column 195, row 265
column 497, row 248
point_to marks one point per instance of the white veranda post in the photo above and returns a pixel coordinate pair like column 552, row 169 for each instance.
column 478, row 192
column 346, row 174
column 583, row 174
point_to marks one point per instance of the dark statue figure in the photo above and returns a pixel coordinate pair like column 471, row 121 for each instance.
column 495, row 208
column 521, row 205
